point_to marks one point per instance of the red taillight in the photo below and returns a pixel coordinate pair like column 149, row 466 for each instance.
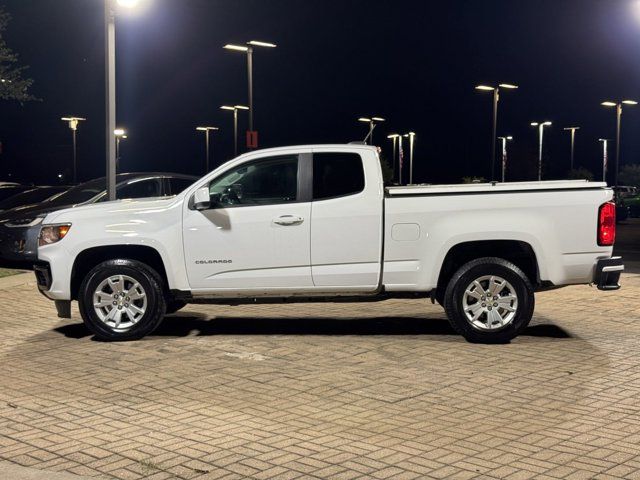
column 607, row 224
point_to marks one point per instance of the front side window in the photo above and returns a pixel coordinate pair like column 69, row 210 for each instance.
column 337, row 175
column 264, row 182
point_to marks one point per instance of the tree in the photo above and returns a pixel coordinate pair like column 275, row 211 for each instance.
column 580, row 174
column 13, row 86
column 630, row 175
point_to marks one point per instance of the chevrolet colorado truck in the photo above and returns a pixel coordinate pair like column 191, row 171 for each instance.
column 316, row 223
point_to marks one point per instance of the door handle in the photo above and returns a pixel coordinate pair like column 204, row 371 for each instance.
column 288, row 220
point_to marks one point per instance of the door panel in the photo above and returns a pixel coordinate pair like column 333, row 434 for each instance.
column 256, row 236
column 346, row 230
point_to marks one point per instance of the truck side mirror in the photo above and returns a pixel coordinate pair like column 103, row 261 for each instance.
column 202, row 199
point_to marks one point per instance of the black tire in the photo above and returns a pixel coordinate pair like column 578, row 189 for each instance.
column 148, row 279
column 174, row 305
column 473, row 270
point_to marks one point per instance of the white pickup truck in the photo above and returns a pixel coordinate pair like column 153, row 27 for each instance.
column 315, row 223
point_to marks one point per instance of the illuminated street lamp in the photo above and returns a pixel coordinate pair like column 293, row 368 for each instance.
column 605, row 156
column 235, row 109
column 120, row 134
column 504, row 154
column 373, row 121
column 411, row 136
column 73, row 126
column 248, row 48
column 206, row 131
column 573, row 141
column 496, row 99
column 394, row 138
column 540, row 126
column 618, row 107
column 110, row 80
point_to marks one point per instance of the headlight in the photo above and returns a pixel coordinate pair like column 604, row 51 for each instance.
column 53, row 233
column 24, row 222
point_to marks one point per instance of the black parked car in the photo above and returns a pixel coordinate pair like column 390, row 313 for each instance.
column 8, row 191
column 20, row 227
column 31, row 197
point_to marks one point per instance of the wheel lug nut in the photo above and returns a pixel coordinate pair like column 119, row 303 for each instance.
column 484, row 304
column 120, row 307
column 483, row 299
column 127, row 299
column 495, row 298
column 115, row 303
column 495, row 304
column 489, row 307
column 126, row 305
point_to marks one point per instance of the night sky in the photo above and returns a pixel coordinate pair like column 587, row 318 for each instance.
column 413, row 62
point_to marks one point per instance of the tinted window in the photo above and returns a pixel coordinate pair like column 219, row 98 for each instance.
column 11, row 190
column 80, row 193
column 265, row 182
column 140, row 189
column 30, row 197
column 179, row 184
column 337, row 175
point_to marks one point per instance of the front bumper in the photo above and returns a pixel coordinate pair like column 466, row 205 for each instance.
column 607, row 274
column 18, row 246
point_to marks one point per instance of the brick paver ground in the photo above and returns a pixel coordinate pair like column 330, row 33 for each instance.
column 344, row 391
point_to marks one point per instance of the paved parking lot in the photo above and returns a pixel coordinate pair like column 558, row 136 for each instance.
column 375, row 390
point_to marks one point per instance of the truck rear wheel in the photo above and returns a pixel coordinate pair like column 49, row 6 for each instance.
column 122, row 300
column 489, row 300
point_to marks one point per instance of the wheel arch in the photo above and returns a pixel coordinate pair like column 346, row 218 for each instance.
column 518, row 252
column 86, row 260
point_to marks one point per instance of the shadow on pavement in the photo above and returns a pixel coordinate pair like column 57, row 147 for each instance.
column 186, row 324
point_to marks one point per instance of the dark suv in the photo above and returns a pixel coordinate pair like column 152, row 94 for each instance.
column 20, row 227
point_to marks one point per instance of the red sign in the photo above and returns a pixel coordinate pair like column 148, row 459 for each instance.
column 252, row 139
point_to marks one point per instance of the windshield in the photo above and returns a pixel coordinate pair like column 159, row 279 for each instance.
column 80, row 193
column 30, row 197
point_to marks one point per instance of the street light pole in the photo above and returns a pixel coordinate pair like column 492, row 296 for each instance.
column 496, row 99
column 394, row 138
column 248, row 48
column 110, row 69
column 618, row 106
column 504, row 154
column 411, row 136
column 235, row 109
column 73, row 126
column 206, row 131
column 605, row 157
column 540, row 126
column 573, row 141
column 373, row 121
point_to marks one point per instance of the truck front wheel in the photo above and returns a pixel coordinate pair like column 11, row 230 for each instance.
column 122, row 300
column 489, row 300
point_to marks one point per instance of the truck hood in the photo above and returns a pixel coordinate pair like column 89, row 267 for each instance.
column 110, row 209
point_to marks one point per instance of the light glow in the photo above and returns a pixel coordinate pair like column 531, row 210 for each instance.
column 205, row 129
column 609, row 104
column 378, row 119
column 508, row 85
column 119, row 132
column 128, row 3
column 485, row 88
column 240, row 48
column 364, row 119
column 262, row 44
column 629, row 102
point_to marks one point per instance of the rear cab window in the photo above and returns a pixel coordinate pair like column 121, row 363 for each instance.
column 337, row 174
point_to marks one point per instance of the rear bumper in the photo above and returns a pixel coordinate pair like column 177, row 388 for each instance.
column 607, row 274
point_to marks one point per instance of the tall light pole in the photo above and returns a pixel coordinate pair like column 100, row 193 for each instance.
column 235, row 109
column 504, row 154
column 573, row 141
column 110, row 82
column 373, row 121
column 120, row 134
column 605, row 157
column 496, row 99
column 206, row 131
column 540, row 126
column 73, row 126
column 252, row 136
column 618, row 106
column 411, row 136
column 394, row 138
